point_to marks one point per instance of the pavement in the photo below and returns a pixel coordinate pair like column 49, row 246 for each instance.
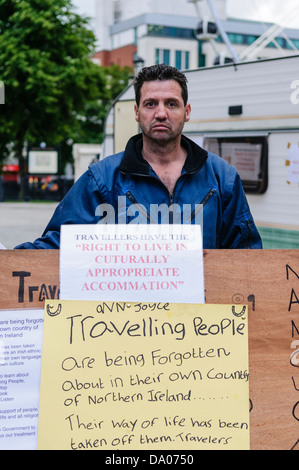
column 22, row 222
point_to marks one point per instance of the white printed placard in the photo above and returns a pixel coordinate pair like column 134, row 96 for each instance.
column 160, row 263
column 21, row 336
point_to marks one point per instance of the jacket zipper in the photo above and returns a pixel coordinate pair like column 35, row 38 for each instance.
column 208, row 196
column 171, row 196
column 145, row 213
column 133, row 200
column 202, row 204
column 171, row 202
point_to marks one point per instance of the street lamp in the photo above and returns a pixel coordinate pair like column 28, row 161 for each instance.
column 138, row 63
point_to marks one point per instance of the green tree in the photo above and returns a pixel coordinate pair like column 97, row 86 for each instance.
column 92, row 122
column 53, row 91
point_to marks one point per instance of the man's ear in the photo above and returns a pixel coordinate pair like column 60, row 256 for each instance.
column 188, row 112
column 136, row 112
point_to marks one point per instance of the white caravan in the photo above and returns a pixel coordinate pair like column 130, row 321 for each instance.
column 248, row 113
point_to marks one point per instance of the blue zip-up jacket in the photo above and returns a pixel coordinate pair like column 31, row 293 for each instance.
column 207, row 183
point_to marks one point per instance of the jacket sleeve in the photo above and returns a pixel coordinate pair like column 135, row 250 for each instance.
column 238, row 229
column 77, row 207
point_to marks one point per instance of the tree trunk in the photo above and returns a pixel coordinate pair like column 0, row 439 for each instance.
column 23, row 171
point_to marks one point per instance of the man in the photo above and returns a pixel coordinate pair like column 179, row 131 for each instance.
column 160, row 168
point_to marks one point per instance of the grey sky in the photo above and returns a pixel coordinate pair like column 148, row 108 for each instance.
column 260, row 10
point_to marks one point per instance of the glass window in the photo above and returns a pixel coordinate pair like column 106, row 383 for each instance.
column 281, row 42
column 178, row 60
column 157, row 56
column 166, row 56
column 237, row 38
column 292, row 43
column 249, row 155
column 182, row 60
column 162, row 55
column 187, row 60
column 168, row 31
column 250, row 38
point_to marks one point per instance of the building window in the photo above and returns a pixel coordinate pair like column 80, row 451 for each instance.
column 170, row 32
column 178, row 59
column 295, row 43
column 249, row 155
column 187, row 60
column 135, row 36
column 280, row 41
column 117, row 11
column 237, row 38
column 157, row 56
column 166, row 56
column 182, row 60
column 250, row 39
column 163, row 56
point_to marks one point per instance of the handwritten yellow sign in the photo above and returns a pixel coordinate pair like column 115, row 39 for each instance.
column 134, row 376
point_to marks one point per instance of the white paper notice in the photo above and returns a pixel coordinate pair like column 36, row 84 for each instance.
column 144, row 263
column 21, row 334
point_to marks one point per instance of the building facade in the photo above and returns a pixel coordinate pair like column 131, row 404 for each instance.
column 147, row 32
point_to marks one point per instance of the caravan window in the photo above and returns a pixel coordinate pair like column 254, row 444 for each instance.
column 249, row 155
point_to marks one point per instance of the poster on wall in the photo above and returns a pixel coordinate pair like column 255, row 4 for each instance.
column 43, row 162
column 21, row 335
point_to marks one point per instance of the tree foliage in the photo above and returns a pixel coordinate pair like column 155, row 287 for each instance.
column 53, row 91
column 92, row 122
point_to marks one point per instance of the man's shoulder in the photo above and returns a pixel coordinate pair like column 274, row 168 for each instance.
column 109, row 163
column 111, row 160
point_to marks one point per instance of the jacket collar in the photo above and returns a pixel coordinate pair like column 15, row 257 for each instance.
column 134, row 163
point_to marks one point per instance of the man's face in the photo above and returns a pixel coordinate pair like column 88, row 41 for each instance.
column 161, row 112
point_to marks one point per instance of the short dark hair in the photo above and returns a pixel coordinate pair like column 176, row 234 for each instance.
column 160, row 72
